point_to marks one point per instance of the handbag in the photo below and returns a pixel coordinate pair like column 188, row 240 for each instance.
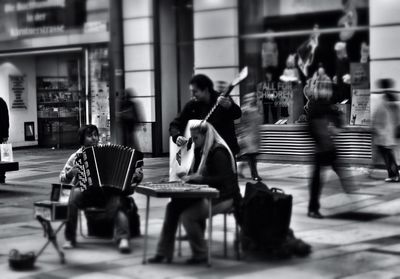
column 266, row 215
column 6, row 152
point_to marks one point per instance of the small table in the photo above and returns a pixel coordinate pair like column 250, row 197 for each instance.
column 177, row 190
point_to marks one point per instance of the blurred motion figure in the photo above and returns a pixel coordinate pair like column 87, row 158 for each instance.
column 128, row 117
column 249, row 135
column 385, row 121
column 324, row 122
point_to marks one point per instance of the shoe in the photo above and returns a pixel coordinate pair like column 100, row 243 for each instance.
column 196, row 261
column 392, row 179
column 68, row 245
column 124, row 246
column 159, row 259
column 315, row 215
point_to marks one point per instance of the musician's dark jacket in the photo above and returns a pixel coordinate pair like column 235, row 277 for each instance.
column 4, row 120
column 219, row 173
column 222, row 119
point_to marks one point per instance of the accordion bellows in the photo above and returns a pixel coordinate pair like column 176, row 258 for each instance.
column 111, row 165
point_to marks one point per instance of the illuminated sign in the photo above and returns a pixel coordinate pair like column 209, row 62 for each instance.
column 39, row 17
column 32, row 5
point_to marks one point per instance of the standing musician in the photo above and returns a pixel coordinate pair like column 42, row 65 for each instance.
column 214, row 165
column 114, row 202
column 204, row 97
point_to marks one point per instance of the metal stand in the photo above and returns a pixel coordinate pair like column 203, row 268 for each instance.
column 146, row 230
column 209, row 232
column 51, row 237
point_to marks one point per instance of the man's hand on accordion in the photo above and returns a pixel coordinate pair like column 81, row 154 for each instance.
column 137, row 176
column 136, row 179
column 72, row 172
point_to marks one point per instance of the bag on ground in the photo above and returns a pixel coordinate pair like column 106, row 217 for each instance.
column 266, row 215
column 6, row 152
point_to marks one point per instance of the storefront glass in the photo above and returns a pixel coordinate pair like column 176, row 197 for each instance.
column 45, row 43
column 297, row 50
column 60, row 99
column 38, row 18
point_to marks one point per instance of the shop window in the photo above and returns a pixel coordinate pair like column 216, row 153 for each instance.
column 39, row 18
column 299, row 50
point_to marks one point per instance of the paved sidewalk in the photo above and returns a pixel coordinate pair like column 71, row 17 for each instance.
column 360, row 238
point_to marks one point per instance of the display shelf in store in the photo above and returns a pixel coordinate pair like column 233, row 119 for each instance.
column 58, row 100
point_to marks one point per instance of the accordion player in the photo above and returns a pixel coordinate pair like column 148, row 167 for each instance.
column 110, row 166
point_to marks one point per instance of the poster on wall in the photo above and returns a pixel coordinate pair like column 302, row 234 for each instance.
column 18, row 92
column 360, row 107
column 359, row 73
column 99, row 90
column 277, row 92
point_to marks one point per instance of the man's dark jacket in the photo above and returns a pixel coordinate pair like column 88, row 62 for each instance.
column 222, row 119
column 4, row 120
column 321, row 115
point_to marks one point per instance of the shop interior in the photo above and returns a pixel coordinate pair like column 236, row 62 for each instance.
column 50, row 96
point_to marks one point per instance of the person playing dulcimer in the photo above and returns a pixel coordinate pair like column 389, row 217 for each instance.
column 214, row 165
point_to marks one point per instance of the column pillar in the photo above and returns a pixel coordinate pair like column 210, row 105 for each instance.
column 116, row 62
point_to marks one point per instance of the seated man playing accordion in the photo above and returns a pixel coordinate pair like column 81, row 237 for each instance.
column 114, row 202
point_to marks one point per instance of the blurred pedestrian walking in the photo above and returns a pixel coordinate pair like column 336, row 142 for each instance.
column 128, row 117
column 324, row 122
column 385, row 125
column 249, row 134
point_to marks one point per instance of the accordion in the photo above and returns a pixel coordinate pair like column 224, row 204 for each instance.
column 110, row 165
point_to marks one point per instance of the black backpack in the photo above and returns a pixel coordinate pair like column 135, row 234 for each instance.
column 265, row 215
